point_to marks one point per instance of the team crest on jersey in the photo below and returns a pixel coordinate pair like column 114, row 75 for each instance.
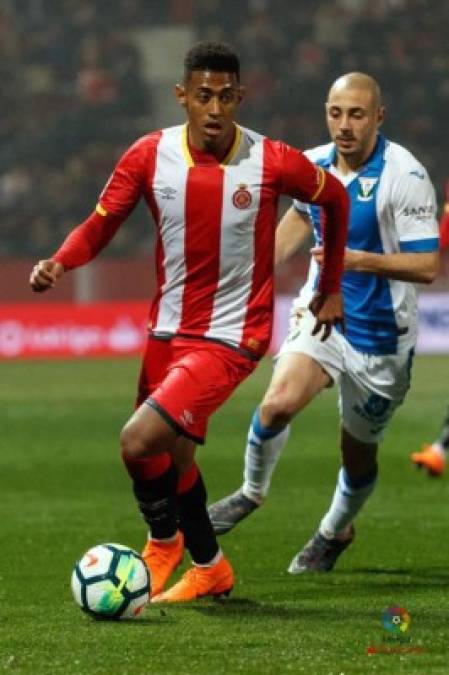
column 366, row 187
column 242, row 197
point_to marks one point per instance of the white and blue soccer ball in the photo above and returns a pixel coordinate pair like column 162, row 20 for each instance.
column 111, row 581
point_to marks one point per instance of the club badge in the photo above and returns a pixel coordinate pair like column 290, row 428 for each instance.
column 366, row 189
column 242, row 197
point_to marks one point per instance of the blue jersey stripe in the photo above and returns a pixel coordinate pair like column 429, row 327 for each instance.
column 370, row 319
column 419, row 245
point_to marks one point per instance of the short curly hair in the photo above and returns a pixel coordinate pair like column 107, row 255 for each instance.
column 216, row 56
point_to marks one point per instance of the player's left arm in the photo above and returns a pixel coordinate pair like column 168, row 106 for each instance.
column 118, row 198
column 413, row 206
column 415, row 267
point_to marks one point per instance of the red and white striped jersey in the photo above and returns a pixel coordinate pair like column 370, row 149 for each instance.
column 215, row 229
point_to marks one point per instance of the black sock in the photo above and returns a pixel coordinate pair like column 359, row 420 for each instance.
column 444, row 436
column 157, row 503
column 195, row 523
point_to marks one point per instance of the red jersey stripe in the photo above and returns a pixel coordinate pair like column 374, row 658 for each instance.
column 258, row 322
column 204, row 198
column 215, row 231
column 153, row 206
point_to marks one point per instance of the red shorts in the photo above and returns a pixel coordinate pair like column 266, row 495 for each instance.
column 186, row 380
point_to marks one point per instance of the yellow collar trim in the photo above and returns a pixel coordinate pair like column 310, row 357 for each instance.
column 232, row 152
column 185, row 147
column 235, row 146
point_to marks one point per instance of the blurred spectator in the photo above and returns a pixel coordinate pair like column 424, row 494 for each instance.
column 73, row 93
column 73, row 97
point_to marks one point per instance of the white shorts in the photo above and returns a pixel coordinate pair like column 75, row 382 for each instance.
column 370, row 387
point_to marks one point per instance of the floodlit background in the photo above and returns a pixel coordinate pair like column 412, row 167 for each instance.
column 80, row 80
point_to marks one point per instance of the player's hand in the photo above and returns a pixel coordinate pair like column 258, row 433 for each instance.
column 45, row 274
column 350, row 261
column 328, row 311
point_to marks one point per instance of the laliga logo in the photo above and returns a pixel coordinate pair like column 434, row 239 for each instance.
column 396, row 620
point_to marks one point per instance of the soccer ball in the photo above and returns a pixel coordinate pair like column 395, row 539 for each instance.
column 111, row 581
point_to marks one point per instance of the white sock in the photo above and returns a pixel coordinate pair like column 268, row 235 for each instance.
column 348, row 499
column 439, row 449
column 263, row 448
column 217, row 557
column 167, row 540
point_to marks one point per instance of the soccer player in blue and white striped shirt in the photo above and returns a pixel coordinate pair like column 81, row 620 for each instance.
column 392, row 245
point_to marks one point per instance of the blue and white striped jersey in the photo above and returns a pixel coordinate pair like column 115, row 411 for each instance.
column 393, row 209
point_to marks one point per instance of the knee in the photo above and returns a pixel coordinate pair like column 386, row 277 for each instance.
column 132, row 445
column 276, row 410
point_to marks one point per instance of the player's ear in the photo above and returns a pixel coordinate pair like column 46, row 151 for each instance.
column 180, row 93
column 381, row 115
column 241, row 93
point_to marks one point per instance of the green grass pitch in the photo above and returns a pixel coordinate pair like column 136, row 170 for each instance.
column 64, row 490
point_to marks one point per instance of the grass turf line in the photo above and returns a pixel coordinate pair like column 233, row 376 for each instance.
column 64, row 490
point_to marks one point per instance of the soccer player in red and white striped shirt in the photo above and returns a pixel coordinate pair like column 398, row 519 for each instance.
column 212, row 188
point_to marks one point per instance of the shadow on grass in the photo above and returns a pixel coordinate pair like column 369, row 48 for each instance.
column 435, row 574
column 152, row 616
column 356, row 584
column 287, row 605
column 402, row 578
column 245, row 609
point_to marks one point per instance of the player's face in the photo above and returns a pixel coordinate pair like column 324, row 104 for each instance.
column 353, row 118
column 211, row 100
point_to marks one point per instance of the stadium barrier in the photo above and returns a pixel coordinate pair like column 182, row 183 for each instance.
column 67, row 330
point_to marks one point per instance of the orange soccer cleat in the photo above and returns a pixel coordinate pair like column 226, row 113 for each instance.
column 162, row 558
column 430, row 458
column 198, row 582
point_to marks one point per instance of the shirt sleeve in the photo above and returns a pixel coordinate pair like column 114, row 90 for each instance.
column 120, row 195
column 414, row 205
column 309, row 183
column 299, row 177
column 125, row 185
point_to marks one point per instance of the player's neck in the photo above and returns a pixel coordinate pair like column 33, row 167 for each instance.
column 347, row 165
column 354, row 163
column 218, row 150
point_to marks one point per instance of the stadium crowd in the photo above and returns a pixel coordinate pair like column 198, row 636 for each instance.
column 74, row 95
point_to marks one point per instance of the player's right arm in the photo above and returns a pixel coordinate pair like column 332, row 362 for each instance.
column 120, row 195
column 45, row 274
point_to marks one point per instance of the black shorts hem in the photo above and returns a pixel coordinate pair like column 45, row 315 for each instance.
column 174, row 425
column 187, row 336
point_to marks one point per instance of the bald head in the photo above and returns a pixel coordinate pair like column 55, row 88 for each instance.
column 354, row 113
column 360, row 81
